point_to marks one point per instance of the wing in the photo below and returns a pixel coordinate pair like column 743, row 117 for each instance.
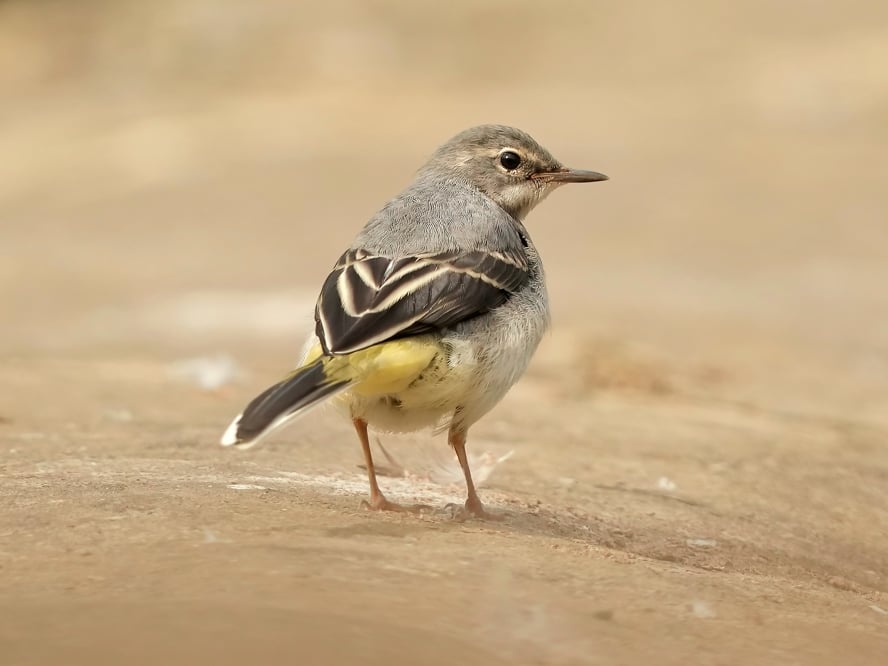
column 369, row 298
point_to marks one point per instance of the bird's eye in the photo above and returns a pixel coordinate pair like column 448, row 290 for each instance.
column 510, row 160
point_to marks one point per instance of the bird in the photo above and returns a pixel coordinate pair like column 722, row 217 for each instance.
column 436, row 308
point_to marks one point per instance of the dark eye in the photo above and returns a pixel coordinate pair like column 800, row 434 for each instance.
column 510, row 160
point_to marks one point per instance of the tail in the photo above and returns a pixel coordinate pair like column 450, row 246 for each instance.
column 282, row 402
column 382, row 369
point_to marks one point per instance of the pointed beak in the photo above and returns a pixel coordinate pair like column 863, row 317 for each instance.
column 569, row 176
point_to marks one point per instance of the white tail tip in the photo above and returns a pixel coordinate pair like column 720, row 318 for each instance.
column 229, row 438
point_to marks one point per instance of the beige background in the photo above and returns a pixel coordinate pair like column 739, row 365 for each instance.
column 699, row 459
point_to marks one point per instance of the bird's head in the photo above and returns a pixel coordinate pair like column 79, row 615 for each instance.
column 508, row 165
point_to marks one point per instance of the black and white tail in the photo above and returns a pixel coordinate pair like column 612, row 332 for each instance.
column 282, row 402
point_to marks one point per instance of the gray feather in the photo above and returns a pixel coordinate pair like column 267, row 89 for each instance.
column 448, row 256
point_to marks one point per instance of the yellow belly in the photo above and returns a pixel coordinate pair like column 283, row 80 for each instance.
column 403, row 385
column 382, row 369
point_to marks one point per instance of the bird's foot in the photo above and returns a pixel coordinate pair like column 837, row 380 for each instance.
column 380, row 503
column 471, row 509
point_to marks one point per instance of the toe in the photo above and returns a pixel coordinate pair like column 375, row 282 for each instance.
column 461, row 513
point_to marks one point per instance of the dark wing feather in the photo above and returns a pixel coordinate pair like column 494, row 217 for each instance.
column 369, row 298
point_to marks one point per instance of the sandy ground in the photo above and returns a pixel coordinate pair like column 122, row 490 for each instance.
column 696, row 464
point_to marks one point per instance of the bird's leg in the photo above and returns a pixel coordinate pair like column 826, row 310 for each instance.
column 377, row 502
column 456, row 437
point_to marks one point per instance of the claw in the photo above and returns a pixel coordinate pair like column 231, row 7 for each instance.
column 461, row 513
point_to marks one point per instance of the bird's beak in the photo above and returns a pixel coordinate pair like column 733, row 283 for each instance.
column 569, row 176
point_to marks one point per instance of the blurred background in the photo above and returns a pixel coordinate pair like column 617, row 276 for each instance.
column 178, row 176
column 153, row 149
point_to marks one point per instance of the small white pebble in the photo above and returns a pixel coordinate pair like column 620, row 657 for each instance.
column 27, row 436
column 702, row 543
column 209, row 373
column 211, row 537
column 880, row 611
column 702, row 610
column 245, row 486
column 119, row 415
column 665, row 483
